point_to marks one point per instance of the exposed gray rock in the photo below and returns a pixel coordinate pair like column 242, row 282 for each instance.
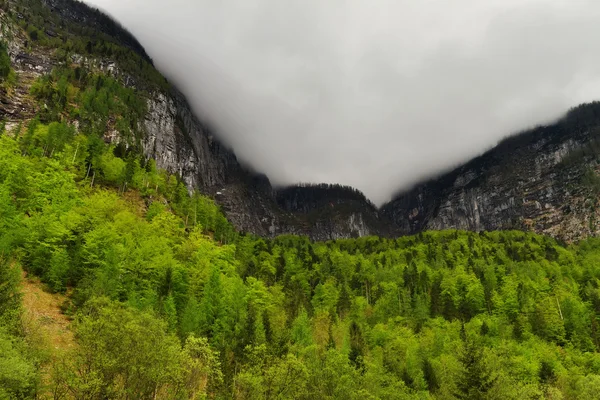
column 534, row 181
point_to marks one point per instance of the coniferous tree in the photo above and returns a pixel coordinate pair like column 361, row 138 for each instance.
column 210, row 306
column 430, row 376
column 476, row 380
column 357, row 343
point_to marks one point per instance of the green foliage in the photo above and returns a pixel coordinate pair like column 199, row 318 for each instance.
column 8, row 77
column 18, row 374
column 98, row 101
column 201, row 368
column 10, row 297
column 476, row 381
column 19, row 377
column 120, row 354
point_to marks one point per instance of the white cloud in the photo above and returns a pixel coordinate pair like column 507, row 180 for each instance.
column 375, row 94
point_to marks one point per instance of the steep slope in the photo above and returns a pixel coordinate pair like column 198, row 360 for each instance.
column 543, row 180
column 336, row 211
column 45, row 34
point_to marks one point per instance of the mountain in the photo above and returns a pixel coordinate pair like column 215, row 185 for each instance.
column 52, row 34
column 544, row 180
column 117, row 281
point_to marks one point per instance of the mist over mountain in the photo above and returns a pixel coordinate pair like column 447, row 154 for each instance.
column 373, row 95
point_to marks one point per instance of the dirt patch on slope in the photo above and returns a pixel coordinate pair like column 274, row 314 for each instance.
column 43, row 315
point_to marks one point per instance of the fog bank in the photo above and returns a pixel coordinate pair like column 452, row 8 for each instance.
column 373, row 94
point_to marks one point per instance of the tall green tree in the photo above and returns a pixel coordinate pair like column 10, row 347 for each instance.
column 476, row 379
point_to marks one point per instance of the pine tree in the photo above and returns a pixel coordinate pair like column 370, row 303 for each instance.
column 170, row 313
column 210, row 306
column 190, row 319
column 484, row 329
column 344, row 301
column 430, row 375
column 546, row 373
column 330, row 339
column 476, row 380
column 357, row 344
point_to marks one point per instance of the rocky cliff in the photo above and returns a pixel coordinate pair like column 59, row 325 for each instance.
column 542, row 180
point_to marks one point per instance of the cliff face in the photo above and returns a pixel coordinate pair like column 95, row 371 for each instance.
column 171, row 133
column 542, row 180
column 181, row 144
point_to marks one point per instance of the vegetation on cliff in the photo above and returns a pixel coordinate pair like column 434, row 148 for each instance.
column 71, row 28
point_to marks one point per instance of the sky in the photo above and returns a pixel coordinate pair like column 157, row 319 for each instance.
column 375, row 94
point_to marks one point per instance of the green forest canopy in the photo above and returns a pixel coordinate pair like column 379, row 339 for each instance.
column 167, row 299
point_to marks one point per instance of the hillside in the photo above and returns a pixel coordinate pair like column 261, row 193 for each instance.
column 167, row 300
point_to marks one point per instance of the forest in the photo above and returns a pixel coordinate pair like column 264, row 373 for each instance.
column 308, row 197
column 167, row 300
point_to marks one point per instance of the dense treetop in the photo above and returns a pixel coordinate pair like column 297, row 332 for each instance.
column 168, row 300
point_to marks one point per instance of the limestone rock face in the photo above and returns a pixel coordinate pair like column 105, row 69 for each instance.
column 542, row 180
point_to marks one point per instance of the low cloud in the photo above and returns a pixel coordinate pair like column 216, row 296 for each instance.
column 374, row 94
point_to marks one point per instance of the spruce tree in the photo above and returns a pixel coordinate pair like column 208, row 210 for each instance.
column 357, row 344
column 476, row 380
